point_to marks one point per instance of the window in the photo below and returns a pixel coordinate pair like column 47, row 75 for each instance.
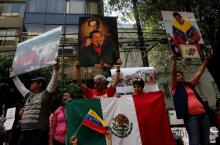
column 1, row 7
column 18, row 9
column 9, row 37
column 12, row 32
column 38, row 6
column 12, row 9
column 71, row 29
column 7, row 9
column 34, row 29
column 3, row 32
column 50, row 27
column 72, row 19
column 34, row 18
column 93, row 8
column 75, row 7
column 55, row 6
column 55, row 19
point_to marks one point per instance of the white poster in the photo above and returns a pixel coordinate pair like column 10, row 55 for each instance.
column 10, row 118
column 127, row 75
column 37, row 52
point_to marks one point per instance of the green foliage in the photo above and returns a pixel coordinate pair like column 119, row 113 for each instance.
column 69, row 87
column 159, row 58
column 5, row 64
column 206, row 12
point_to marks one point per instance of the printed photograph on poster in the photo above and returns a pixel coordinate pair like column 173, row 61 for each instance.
column 127, row 75
column 189, row 51
column 182, row 27
column 37, row 52
column 182, row 133
column 98, row 41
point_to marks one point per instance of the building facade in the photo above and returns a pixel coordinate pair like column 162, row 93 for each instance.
column 23, row 19
column 11, row 18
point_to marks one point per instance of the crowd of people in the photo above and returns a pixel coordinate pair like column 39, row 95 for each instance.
column 36, row 124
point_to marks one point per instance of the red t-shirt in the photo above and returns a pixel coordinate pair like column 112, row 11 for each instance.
column 93, row 93
column 194, row 105
column 143, row 94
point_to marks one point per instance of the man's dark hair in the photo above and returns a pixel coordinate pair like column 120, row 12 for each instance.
column 176, row 14
column 179, row 71
column 93, row 19
column 93, row 32
column 139, row 81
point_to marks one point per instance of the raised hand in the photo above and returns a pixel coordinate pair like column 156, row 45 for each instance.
column 119, row 62
column 58, row 60
column 173, row 56
column 74, row 140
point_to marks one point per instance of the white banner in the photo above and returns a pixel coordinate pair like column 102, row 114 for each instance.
column 125, row 84
column 37, row 52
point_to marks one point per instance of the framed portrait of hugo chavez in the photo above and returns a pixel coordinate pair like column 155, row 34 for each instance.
column 98, row 41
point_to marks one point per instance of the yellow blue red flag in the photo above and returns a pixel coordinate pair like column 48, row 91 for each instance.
column 93, row 121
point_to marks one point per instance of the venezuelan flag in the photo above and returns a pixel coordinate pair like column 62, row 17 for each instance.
column 93, row 121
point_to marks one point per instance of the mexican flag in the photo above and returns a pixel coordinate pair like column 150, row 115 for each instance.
column 131, row 120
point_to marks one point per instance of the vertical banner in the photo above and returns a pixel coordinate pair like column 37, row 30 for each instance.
column 37, row 52
column 183, row 30
column 98, row 41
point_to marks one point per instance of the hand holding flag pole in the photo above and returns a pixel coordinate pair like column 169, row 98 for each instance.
column 94, row 122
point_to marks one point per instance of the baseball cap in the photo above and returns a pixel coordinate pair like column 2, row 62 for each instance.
column 40, row 80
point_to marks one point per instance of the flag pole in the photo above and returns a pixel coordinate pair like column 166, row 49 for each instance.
column 78, row 128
